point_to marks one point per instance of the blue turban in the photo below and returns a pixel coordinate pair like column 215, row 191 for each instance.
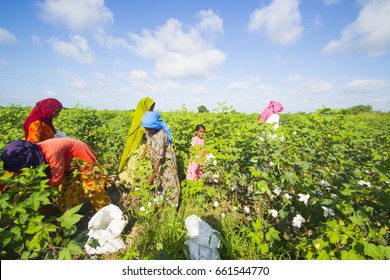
column 19, row 154
column 151, row 119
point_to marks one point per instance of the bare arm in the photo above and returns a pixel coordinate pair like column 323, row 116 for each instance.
column 155, row 171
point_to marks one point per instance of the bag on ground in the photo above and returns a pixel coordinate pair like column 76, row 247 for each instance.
column 202, row 243
column 105, row 228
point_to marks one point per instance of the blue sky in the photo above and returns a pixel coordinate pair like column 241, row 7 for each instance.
column 109, row 54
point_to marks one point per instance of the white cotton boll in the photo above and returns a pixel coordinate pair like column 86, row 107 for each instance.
column 327, row 211
column 304, row 198
column 273, row 212
column 246, row 209
column 211, row 157
column 277, row 190
column 324, row 183
column 298, row 221
column 216, row 203
column 288, row 196
column 362, row 183
column 142, row 209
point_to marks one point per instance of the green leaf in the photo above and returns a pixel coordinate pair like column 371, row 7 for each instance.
column 351, row 255
column 334, row 237
column 359, row 218
column 327, row 201
column 264, row 248
column 346, row 192
column 69, row 218
column 376, row 252
column 34, row 225
column 262, row 187
column 323, row 255
column 65, row 254
column 272, row 234
column 74, row 248
column 36, row 199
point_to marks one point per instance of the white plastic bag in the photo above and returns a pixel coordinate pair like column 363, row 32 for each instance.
column 60, row 134
column 202, row 243
column 106, row 227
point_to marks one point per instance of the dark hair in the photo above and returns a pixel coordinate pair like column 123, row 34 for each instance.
column 199, row 126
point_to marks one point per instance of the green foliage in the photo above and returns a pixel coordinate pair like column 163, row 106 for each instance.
column 202, row 109
column 26, row 233
column 317, row 188
column 360, row 109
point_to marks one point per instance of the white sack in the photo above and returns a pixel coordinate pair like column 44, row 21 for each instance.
column 202, row 243
column 106, row 227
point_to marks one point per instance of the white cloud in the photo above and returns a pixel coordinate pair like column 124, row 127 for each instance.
column 252, row 86
column 179, row 53
column 77, row 49
column 109, row 41
column 280, row 21
column 139, row 75
column 49, row 93
column 312, row 86
column 179, row 65
column 365, row 86
column 74, row 81
column 210, row 22
column 75, row 14
column 200, row 89
column 237, row 86
column 294, row 78
column 100, row 77
column 7, row 37
column 370, row 33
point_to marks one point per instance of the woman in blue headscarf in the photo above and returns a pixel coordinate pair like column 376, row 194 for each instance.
column 162, row 156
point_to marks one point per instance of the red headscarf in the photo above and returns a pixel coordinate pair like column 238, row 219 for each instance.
column 273, row 107
column 42, row 111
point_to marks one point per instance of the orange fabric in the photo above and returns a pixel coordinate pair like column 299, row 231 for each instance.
column 87, row 185
column 59, row 153
column 39, row 131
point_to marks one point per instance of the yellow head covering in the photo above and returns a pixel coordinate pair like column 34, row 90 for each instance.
column 136, row 131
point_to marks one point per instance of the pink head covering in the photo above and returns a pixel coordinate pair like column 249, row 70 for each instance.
column 44, row 111
column 273, row 107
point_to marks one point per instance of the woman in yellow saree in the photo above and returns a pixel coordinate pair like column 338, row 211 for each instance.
column 135, row 143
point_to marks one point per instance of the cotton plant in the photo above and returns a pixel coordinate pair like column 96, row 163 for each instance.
column 324, row 183
column 334, row 196
column 364, row 183
column 298, row 220
column 327, row 211
column 277, row 190
column 304, row 198
column 274, row 213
